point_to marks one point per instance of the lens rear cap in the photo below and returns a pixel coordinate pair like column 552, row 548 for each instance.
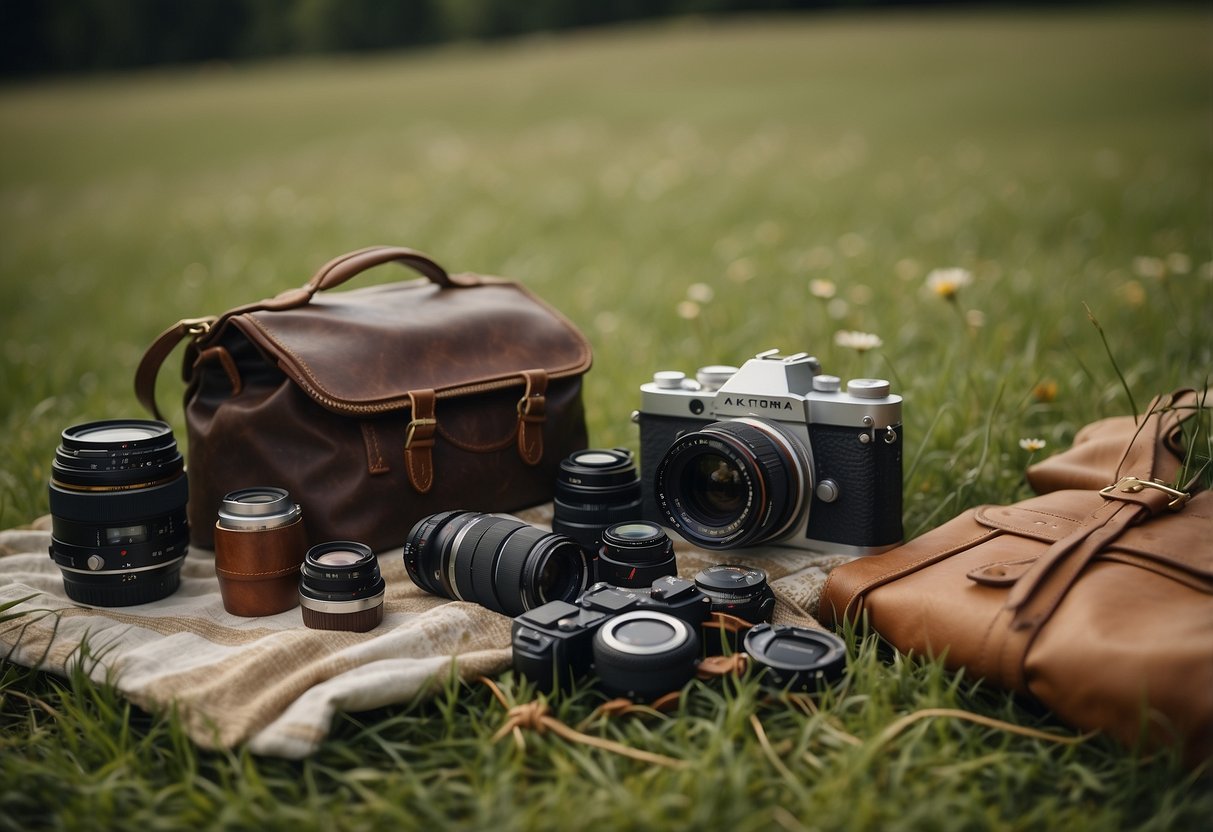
column 796, row 658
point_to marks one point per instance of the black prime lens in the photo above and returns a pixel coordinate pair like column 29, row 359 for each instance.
column 644, row 654
column 735, row 483
column 738, row 590
column 118, row 493
column 340, row 587
column 635, row 554
column 595, row 488
column 498, row 562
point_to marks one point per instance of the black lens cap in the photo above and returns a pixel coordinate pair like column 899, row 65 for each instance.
column 796, row 658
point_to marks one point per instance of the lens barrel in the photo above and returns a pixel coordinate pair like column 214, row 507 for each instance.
column 735, row 483
column 498, row 562
column 595, row 488
column 341, row 588
column 634, row 555
column 118, row 493
column 737, row 590
column 644, row 654
column 260, row 544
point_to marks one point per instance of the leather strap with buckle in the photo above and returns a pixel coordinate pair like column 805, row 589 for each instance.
column 531, row 416
column 419, row 440
column 1133, row 485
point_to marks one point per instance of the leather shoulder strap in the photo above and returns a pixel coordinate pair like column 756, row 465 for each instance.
column 330, row 275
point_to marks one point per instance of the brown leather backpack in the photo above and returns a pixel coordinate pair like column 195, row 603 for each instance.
column 1095, row 598
column 378, row 406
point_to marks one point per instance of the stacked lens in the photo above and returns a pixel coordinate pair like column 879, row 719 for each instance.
column 595, row 488
column 117, row 496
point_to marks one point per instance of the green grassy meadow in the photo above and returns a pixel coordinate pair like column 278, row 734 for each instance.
column 688, row 193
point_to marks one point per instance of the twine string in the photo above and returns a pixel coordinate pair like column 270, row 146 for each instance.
column 535, row 716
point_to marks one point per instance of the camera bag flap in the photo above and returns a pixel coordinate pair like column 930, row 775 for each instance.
column 1097, row 601
column 377, row 406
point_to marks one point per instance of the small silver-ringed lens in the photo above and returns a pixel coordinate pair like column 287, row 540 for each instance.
column 681, row 633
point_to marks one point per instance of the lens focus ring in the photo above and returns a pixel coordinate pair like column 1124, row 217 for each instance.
column 734, row 483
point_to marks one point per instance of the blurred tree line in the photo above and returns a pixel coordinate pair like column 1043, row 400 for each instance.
column 55, row 36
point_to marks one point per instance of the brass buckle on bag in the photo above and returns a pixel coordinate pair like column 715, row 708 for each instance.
column 199, row 326
column 413, row 425
column 1132, row 485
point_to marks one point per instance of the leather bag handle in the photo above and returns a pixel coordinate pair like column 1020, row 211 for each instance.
column 340, row 269
column 332, row 274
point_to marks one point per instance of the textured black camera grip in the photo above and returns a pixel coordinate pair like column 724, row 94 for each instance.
column 868, row 509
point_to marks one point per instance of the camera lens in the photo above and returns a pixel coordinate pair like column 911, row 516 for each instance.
column 644, row 654
column 738, row 590
column 259, row 546
column 118, row 493
column 594, row 489
column 635, row 554
column 498, row 562
column 341, row 588
column 735, row 483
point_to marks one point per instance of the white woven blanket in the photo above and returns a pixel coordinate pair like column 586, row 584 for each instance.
column 271, row 682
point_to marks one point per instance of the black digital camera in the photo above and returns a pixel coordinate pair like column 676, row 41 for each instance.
column 774, row 453
column 554, row 643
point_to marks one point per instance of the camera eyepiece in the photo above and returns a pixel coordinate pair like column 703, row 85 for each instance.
column 735, row 483
column 118, row 493
column 594, row 489
column 498, row 562
column 341, row 588
column 635, row 554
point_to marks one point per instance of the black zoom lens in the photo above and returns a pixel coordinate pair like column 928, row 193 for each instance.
column 117, row 496
column 498, row 562
column 635, row 555
column 736, row 483
column 595, row 489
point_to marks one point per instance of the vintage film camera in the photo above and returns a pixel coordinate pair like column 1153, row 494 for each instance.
column 774, row 453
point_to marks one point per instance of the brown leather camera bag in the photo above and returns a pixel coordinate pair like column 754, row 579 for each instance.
column 1095, row 598
column 378, row 406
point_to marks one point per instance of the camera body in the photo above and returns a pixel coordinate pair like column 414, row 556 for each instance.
column 832, row 454
column 553, row 643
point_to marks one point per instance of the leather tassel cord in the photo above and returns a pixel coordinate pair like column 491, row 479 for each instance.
column 535, row 716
